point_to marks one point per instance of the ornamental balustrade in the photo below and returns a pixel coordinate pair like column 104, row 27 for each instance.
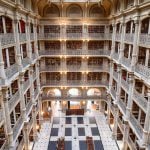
column 34, row 75
column 125, row 84
column 137, row 127
column 18, row 126
column 32, row 36
column 50, row 52
column 125, row 61
column 122, row 105
column 21, row 144
column 143, row 71
column 74, row 52
column 131, row 143
column 49, row 36
column 118, row 37
column 108, row 36
column 13, row 100
column 7, row 39
column 115, row 74
column 140, row 100
column 26, row 61
column 97, row 35
column 144, row 39
column 12, row 70
column 115, row 56
column 22, row 37
column 129, row 37
column 30, row 125
column 1, row 115
column 99, row 52
column 26, row 85
column 74, row 83
column 121, row 125
column 28, row 107
column 74, row 35
column 33, row 56
column 113, row 92
column 69, row 97
column 36, row 92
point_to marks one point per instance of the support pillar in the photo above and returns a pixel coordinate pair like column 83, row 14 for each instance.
column 130, row 96
column 9, row 131
column 147, row 123
column 114, row 130
column 26, row 136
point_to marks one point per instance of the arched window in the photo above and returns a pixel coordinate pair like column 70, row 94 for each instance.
column 74, row 92
column 117, row 6
column 96, row 11
column 52, row 11
column 145, row 25
column 21, row 26
column 94, row 92
column 74, row 11
column 54, row 92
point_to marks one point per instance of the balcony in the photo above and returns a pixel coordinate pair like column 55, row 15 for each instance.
column 140, row 100
column 115, row 56
column 121, row 125
column 12, row 70
column 36, row 92
column 28, row 107
column 1, row 115
column 136, row 126
column 25, row 62
column 126, row 62
column 145, row 39
column 125, row 85
column 17, row 128
column 7, row 39
column 3, row 144
column 67, row 97
column 113, row 92
column 97, row 68
column 51, row 68
column 21, row 144
column 34, row 75
column 74, row 68
column 96, row 36
column 50, row 52
column 131, row 143
column 13, row 100
column 32, row 36
column 74, row 52
column 143, row 71
column 115, row 74
column 75, row 36
column 33, row 56
column 26, row 85
column 122, row 106
column 108, row 36
column 49, row 36
column 74, row 83
column 100, row 52
column 30, row 125
column 129, row 38
column 118, row 37
column 22, row 37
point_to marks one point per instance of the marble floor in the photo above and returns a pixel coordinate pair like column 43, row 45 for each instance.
column 75, row 129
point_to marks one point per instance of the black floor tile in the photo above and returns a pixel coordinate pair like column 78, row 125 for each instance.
column 68, row 145
column 80, row 120
column 82, row 145
column 94, row 131
column 68, row 120
column 52, row 145
column 54, row 132
column 98, row 145
column 68, row 131
column 81, row 131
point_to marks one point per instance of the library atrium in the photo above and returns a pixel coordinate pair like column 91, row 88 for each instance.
column 74, row 75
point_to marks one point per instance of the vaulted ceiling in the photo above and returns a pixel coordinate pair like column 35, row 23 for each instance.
column 106, row 4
